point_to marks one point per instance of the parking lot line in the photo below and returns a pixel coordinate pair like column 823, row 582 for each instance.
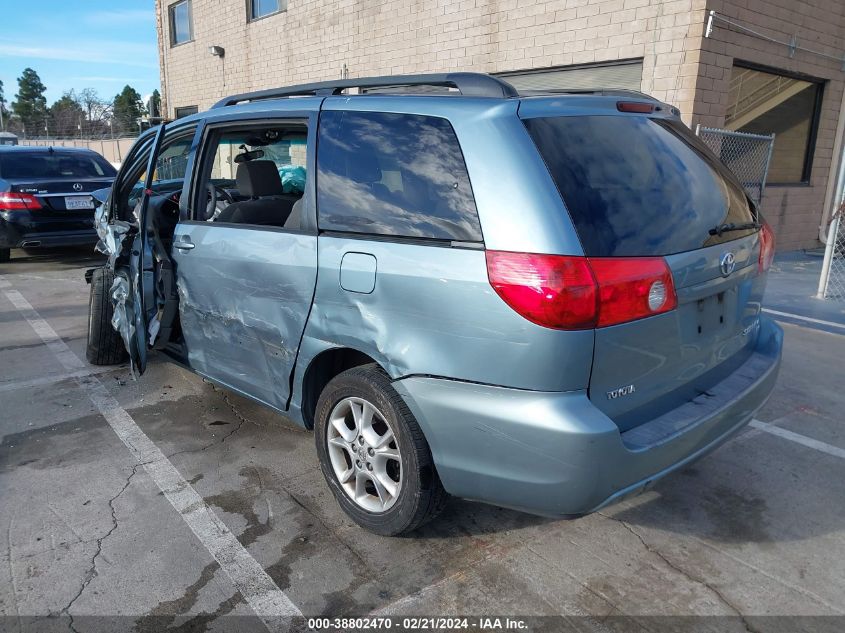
column 53, row 379
column 262, row 594
column 806, row 319
column 809, row 442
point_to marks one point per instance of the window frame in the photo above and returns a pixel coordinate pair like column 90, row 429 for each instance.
column 203, row 161
column 815, row 117
column 171, row 13
column 281, row 7
column 178, row 116
column 404, row 239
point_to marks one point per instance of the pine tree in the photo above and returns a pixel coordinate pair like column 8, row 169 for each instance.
column 30, row 106
column 128, row 108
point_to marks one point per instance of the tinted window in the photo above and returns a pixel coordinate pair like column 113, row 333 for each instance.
column 263, row 7
column 757, row 105
column 393, row 174
column 54, row 165
column 636, row 186
column 181, row 27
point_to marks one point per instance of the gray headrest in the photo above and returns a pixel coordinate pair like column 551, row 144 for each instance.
column 258, row 178
column 363, row 168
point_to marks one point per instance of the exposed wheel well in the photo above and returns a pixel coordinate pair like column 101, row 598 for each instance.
column 325, row 366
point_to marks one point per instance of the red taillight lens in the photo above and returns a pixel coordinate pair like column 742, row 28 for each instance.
column 632, row 288
column 555, row 291
column 11, row 201
column 767, row 248
column 635, row 106
column 576, row 293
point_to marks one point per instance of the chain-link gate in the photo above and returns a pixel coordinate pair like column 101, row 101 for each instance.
column 746, row 155
column 832, row 281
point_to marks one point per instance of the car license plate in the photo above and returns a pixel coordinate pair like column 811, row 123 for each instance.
column 78, row 202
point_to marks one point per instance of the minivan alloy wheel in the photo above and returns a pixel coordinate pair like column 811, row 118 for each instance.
column 364, row 454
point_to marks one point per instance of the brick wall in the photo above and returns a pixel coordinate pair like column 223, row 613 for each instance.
column 794, row 211
column 313, row 40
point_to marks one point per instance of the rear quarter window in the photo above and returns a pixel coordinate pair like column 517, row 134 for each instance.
column 637, row 186
column 394, row 175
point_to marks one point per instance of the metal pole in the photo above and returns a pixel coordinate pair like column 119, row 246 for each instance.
column 829, row 249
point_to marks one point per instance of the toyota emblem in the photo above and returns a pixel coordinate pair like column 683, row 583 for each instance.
column 77, row 186
column 727, row 264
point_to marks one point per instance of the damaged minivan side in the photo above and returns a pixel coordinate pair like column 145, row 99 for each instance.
column 542, row 302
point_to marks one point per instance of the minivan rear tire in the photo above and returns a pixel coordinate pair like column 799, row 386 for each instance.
column 5, row 255
column 421, row 495
column 105, row 346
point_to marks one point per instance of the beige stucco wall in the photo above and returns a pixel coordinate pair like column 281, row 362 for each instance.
column 313, row 40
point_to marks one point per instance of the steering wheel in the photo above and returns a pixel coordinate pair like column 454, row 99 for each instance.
column 215, row 193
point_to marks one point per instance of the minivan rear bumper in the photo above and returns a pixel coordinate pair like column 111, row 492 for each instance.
column 556, row 454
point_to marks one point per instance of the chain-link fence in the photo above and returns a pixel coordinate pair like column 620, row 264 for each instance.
column 746, row 155
column 832, row 281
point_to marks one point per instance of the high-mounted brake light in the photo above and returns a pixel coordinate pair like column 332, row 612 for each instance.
column 577, row 293
column 12, row 201
column 767, row 248
column 635, row 106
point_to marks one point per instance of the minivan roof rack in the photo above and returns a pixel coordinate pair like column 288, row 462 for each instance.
column 468, row 84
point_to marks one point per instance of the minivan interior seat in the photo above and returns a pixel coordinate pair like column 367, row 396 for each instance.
column 267, row 205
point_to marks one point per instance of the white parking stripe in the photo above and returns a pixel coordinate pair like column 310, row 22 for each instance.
column 809, row 442
column 789, row 315
column 265, row 598
column 52, row 379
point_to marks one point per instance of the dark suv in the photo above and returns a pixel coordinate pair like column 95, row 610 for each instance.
column 45, row 196
column 542, row 302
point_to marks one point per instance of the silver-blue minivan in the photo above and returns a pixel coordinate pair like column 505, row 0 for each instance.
column 544, row 302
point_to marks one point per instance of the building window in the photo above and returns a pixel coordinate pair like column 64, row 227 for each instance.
column 262, row 8
column 186, row 111
column 181, row 23
column 766, row 102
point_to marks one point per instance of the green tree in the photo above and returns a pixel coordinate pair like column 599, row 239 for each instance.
column 66, row 115
column 127, row 108
column 4, row 113
column 30, row 106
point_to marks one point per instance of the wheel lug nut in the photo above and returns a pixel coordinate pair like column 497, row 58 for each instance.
column 370, row 452
column 369, row 466
column 360, row 440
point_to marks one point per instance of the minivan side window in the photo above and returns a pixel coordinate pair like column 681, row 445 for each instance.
column 258, row 172
column 397, row 175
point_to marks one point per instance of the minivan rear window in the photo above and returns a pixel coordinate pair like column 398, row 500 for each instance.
column 24, row 165
column 637, row 186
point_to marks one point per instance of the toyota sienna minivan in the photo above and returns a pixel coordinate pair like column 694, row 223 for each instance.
column 544, row 302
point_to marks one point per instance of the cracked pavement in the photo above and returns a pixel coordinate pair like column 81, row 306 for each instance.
column 755, row 529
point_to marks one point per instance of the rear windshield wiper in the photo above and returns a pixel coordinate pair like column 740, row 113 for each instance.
column 726, row 228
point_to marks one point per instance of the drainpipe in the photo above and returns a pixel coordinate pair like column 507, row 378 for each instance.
column 837, row 188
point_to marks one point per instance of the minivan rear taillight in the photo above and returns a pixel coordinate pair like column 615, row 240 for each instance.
column 767, row 248
column 11, row 201
column 576, row 293
column 632, row 288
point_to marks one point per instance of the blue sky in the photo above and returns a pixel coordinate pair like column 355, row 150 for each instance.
column 80, row 44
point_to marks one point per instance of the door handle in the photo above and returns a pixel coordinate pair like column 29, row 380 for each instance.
column 184, row 244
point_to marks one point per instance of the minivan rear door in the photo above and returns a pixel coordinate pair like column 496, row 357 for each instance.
column 641, row 186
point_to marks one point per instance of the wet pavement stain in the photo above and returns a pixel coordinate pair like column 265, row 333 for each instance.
column 736, row 517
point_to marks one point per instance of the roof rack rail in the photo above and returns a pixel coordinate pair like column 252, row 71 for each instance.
column 468, row 84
